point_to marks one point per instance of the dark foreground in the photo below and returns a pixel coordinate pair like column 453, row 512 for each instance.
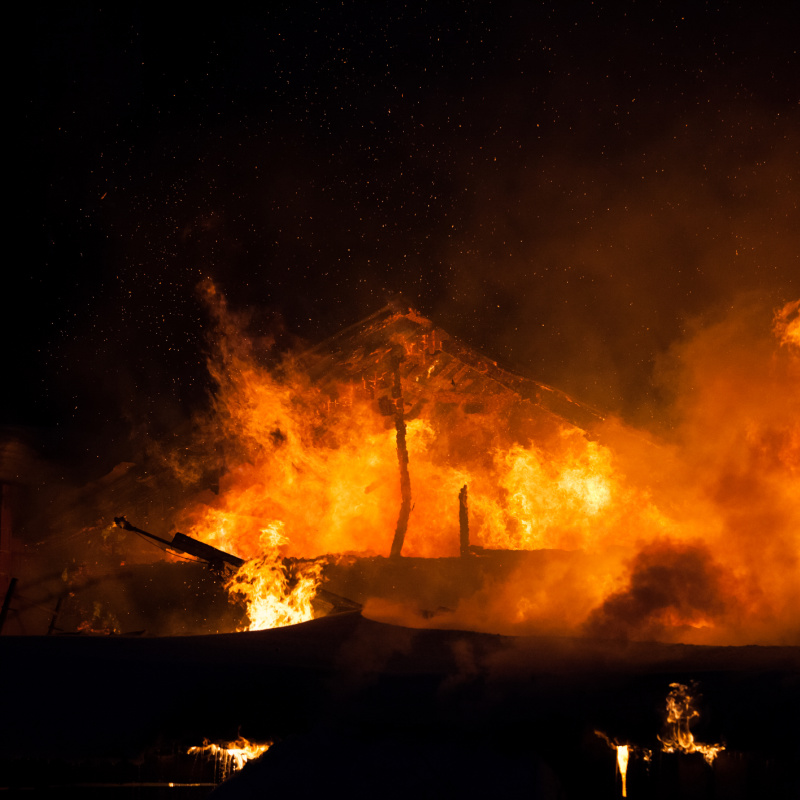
column 362, row 709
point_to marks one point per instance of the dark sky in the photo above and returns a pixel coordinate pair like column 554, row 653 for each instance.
column 562, row 185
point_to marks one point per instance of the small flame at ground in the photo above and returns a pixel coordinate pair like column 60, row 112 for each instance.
column 230, row 756
column 276, row 595
column 680, row 713
column 624, row 753
column 622, row 763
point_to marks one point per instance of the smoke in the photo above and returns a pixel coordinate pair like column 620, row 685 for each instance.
column 586, row 268
column 700, row 542
column 671, row 587
column 728, row 479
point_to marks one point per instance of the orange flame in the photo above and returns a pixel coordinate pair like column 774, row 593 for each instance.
column 316, row 462
column 273, row 597
column 787, row 324
column 622, row 763
column 624, row 752
column 230, row 756
column 678, row 736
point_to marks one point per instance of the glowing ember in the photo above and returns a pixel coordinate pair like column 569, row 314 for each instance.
column 680, row 713
column 230, row 756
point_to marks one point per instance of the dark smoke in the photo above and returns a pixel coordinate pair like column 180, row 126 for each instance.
column 671, row 587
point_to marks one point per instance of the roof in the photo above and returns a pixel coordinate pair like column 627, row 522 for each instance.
column 436, row 369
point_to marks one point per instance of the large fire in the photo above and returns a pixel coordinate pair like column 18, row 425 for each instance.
column 693, row 537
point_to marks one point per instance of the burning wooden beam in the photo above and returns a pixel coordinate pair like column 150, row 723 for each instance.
column 402, row 454
column 186, row 544
column 463, row 520
column 217, row 559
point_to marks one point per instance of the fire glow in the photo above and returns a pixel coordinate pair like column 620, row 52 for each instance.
column 310, row 468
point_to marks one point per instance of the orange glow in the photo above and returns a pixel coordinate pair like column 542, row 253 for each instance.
column 694, row 521
column 787, row 324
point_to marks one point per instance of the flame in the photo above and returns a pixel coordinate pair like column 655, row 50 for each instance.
column 309, row 468
column 678, row 737
column 622, row 763
column 624, row 752
column 275, row 593
column 230, row 756
column 786, row 324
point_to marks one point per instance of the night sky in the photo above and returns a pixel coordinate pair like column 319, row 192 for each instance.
column 565, row 187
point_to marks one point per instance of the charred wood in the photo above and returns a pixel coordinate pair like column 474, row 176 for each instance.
column 463, row 520
column 402, row 455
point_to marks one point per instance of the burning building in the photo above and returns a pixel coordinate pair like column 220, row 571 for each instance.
column 395, row 470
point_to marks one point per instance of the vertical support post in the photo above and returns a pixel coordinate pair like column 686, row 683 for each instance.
column 463, row 520
column 52, row 626
column 6, row 546
column 12, row 585
column 402, row 453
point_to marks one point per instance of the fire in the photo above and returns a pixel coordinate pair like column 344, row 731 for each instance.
column 678, row 737
column 230, row 756
column 624, row 752
column 787, row 324
column 274, row 594
column 622, row 763
column 307, row 451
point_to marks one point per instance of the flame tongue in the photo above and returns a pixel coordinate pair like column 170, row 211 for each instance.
column 622, row 763
column 275, row 593
column 678, row 737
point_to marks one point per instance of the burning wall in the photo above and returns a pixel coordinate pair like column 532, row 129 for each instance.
column 691, row 537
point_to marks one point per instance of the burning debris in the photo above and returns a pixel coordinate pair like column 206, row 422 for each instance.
column 230, row 756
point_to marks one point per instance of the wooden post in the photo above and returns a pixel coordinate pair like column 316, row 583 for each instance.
column 463, row 520
column 402, row 454
column 6, row 538
column 12, row 585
